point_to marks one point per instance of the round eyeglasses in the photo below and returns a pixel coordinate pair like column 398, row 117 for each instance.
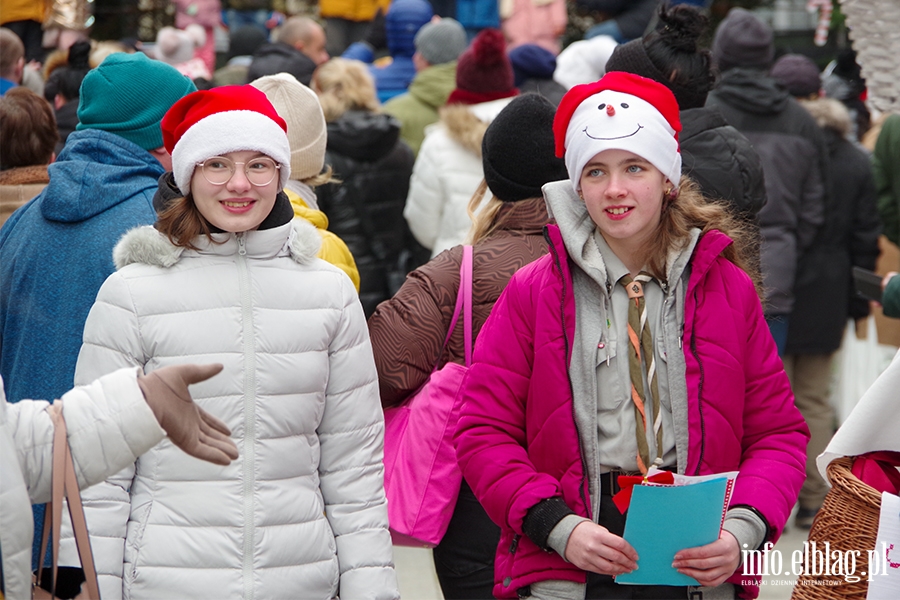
column 260, row 171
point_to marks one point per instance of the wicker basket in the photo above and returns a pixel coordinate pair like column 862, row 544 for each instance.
column 848, row 520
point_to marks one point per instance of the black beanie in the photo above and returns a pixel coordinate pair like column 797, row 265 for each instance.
column 518, row 152
column 632, row 58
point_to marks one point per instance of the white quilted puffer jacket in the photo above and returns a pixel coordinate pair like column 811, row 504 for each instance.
column 447, row 173
column 302, row 512
column 108, row 423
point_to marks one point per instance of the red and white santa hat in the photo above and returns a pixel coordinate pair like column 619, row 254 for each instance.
column 230, row 118
column 621, row 111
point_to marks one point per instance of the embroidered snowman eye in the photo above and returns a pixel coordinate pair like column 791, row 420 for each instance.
column 624, row 105
column 602, row 106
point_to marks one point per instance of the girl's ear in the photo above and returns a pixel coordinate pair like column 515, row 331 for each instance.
column 671, row 191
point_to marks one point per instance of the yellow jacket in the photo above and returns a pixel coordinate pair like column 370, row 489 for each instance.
column 25, row 10
column 333, row 250
column 352, row 10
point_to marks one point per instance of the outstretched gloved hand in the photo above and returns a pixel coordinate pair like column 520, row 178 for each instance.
column 188, row 426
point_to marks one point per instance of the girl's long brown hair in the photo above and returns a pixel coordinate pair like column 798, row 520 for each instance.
column 689, row 210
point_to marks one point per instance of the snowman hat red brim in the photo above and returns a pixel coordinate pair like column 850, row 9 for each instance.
column 649, row 103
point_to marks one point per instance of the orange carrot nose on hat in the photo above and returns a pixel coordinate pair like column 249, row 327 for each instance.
column 621, row 111
column 230, row 118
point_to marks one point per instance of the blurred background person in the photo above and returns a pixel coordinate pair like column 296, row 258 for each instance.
column 373, row 166
column 400, row 26
column 202, row 13
column 583, row 61
column 12, row 60
column 529, row 22
column 298, row 49
column 178, row 47
column 824, row 293
column 25, row 18
column 63, row 87
column 622, row 20
column 842, row 80
column 348, row 22
column 26, row 148
column 533, row 68
column 885, row 158
column 791, row 148
column 448, row 167
column 262, row 14
column 243, row 42
column 438, row 46
column 408, row 330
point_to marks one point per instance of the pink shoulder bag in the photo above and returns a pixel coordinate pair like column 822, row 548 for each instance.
column 421, row 475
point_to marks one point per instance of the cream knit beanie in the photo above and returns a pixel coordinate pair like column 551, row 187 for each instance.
column 299, row 107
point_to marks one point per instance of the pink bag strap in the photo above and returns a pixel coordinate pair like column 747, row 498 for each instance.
column 65, row 484
column 463, row 304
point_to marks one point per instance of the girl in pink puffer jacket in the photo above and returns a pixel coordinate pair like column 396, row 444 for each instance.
column 552, row 414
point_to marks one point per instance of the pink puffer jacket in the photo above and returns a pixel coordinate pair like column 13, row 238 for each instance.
column 517, row 439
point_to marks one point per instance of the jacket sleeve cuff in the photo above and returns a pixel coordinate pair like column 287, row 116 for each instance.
column 542, row 518
column 890, row 299
column 746, row 526
column 559, row 535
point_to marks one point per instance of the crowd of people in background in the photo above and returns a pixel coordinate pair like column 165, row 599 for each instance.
column 295, row 207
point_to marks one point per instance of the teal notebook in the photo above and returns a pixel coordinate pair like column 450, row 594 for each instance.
column 662, row 520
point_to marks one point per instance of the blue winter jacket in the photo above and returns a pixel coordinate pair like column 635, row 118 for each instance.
column 401, row 24
column 390, row 80
column 56, row 251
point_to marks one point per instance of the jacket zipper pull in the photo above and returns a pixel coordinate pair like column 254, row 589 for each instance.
column 515, row 544
column 242, row 250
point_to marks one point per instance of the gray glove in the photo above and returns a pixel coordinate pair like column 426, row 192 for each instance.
column 188, row 426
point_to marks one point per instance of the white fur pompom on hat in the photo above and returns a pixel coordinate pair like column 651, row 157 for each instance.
column 225, row 119
column 621, row 111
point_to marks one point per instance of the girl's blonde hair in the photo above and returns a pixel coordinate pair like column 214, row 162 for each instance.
column 691, row 209
column 489, row 219
column 344, row 85
column 326, row 176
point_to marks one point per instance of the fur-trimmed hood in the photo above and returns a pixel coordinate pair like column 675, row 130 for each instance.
column 829, row 114
column 145, row 245
column 464, row 127
column 466, row 124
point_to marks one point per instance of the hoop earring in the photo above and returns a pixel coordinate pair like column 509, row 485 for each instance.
column 671, row 194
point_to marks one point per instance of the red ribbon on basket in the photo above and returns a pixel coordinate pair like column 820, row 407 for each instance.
column 626, row 486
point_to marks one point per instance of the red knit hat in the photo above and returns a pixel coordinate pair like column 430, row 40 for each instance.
column 230, row 118
column 484, row 72
column 620, row 111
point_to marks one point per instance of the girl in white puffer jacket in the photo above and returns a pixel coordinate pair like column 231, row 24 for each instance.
column 226, row 275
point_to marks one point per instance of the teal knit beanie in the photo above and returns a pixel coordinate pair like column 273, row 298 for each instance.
column 128, row 94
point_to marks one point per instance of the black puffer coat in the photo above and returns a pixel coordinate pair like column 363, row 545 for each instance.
column 721, row 160
column 824, row 294
column 279, row 57
column 792, row 150
column 366, row 208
